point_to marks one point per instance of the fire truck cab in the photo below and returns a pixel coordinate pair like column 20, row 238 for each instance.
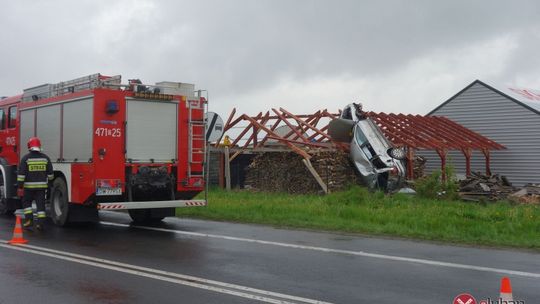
column 113, row 146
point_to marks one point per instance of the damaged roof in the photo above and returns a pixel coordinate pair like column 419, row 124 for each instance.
column 430, row 132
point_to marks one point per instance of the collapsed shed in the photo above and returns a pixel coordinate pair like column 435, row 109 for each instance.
column 305, row 146
column 261, row 134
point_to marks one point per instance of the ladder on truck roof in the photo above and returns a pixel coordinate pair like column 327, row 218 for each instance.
column 196, row 140
column 85, row 83
column 71, row 86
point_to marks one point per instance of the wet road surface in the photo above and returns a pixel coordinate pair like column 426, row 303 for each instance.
column 194, row 261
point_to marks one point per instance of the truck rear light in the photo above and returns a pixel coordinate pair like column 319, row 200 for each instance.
column 108, row 187
column 394, row 171
column 198, row 182
column 111, row 183
column 195, row 182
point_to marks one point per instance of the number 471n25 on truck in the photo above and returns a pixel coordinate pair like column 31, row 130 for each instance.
column 113, row 146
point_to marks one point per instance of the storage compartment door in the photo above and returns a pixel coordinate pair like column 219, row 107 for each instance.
column 27, row 124
column 151, row 131
column 48, row 130
column 78, row 130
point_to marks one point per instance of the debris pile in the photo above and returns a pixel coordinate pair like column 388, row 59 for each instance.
column 529, row 194
column 285, row 172
column 485, row 187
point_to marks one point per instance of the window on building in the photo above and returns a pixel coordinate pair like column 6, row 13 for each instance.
column 12, row 122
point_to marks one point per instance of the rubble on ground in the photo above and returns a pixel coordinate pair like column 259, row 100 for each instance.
column 285, row 172
column 478, row 187
column 529, row 194
column 497, row 187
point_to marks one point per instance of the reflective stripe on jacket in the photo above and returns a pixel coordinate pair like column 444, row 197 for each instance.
column 35, row 171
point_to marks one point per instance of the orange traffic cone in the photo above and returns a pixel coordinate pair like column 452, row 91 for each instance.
column 506, row 290
column 18, row 233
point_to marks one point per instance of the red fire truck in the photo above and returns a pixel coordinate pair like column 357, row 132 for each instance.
column 113, row 146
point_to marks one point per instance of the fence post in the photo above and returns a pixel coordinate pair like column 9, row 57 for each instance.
column 227, row 169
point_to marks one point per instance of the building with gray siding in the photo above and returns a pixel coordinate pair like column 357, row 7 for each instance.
column 508, row 115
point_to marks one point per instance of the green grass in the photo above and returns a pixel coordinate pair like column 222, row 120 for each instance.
column 359, row 211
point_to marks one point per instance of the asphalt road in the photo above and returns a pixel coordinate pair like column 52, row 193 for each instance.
column 193, row 261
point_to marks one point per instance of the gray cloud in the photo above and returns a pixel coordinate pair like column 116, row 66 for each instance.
column 241, row 49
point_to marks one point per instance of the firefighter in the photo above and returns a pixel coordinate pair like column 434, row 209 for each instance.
column 35, row 172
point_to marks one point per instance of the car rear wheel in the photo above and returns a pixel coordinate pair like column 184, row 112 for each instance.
column 397, row 153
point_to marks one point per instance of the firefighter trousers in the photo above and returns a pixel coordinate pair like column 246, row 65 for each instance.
column 37, row 195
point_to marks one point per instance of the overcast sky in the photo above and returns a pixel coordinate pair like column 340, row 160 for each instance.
column 393, row 56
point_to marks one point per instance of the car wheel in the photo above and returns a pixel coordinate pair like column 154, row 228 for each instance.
column 59, row 202
column 397, row 153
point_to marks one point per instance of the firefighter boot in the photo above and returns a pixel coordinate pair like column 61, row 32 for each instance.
column 28, row 218
column 39, row 225
column 28, row 222
column 40, row 219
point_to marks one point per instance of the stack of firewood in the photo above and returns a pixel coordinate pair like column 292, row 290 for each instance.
column 335, row 169
column 279, row 172
column 419, row 166
column 285, row 172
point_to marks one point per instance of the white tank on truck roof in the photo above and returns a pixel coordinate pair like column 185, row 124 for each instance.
column 176, row 88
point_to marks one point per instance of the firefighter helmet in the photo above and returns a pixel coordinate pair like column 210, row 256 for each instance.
column 34, row 144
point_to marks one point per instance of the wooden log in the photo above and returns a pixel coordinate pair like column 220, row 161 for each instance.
column 315, row 175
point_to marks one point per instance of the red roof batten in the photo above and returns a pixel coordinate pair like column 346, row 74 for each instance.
column 433, row 133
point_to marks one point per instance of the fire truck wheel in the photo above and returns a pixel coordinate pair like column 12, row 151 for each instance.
column 59, row 202
column 143, row 216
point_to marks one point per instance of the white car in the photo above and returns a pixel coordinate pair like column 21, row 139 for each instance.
column 380, row 164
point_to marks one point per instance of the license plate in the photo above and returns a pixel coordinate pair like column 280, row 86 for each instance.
column 108, row 187
column 109, row 191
